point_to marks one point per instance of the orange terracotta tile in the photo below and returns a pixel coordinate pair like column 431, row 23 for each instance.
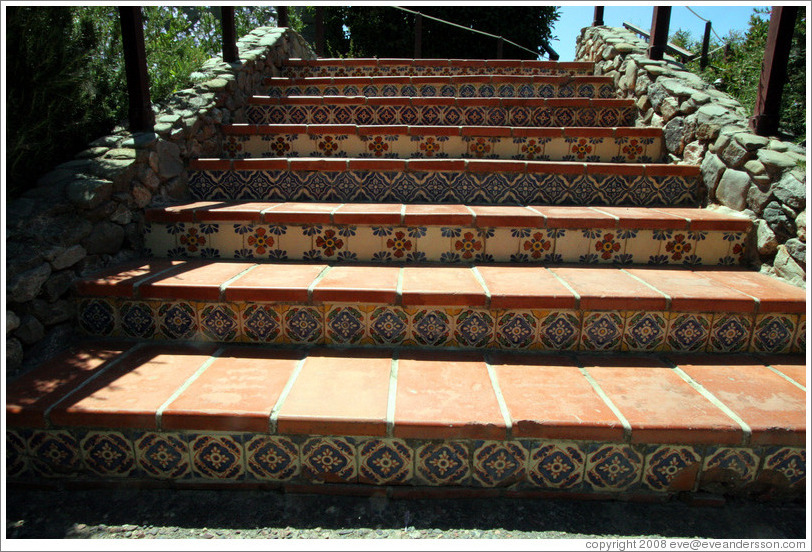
column 692, row 292
column 672, row 170
column 439, row 285
column 525, row 287
column 507, row 216
column 608, row 288
column 626, row 169
column 660, row 406
column 773, row 294
column 437, row 215
column 537, row 132
column 301, row 213
column 361, row 284
column 707, row 219
column 194, row 281
column 644, row 218
column 444, row 396
column 645, row 132
column 339, row 393
column 484, row 131
column 558, row 167
column 261, row 164
column 30, row 396
column 549, row 398
column 130, row 393
column 575, row 217
column 495, row 165
column 792, row 366
column 390, row 165
column 591, row 132
column 210, row 164
column 774, row 408
column 242, row 212
column 368, row 213
column 236, row 392
column 419, row 165
column 320, row 165
column 434, row 130
column 177, row 213
column 275, row 282
column 332, row 129
column 119, row 281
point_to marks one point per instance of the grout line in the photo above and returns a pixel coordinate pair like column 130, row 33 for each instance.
column 617, row 218
column 137, row 285
column 543, row 216
column 199, row 372
column 473, row 215
column 481, row 281
column 568, row 286
column 265, row 211
column 627, row 427
column 273, row 419
column 667, row 297
column 393, row 392
column 786, row 377
column 403, row 213
column 746, row 431
column 115, row 362
column 315, row 282
column 231, row 280
column 333, row 212
column 500, row 398
column 399, row 288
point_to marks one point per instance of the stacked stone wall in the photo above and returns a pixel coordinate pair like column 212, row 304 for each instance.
column 762, row 177
column 89, row 212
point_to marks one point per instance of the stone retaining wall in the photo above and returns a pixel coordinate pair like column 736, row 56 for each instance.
column 88, row 213
column 765, row 178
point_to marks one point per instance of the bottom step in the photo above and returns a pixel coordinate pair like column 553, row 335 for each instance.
column 613, row 424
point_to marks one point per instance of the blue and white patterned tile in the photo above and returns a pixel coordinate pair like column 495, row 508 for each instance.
column 272, row 458
column 385, row 462
column 789, row 462
column 443, row 463
column 17, row 463
column 613, row 467
column 556, row 464
column 601, row 331
column 516, row 329
column 345, row 324
column 730, row 333
column 108, row 453
column 54, row 454
column 429, row 327
column 98, row 316
column 162, row 455
column 137, row 319
column 303, row 324
column 177, row 320
column 644, row 331
column 218, row 322
column 388, row 325
column 671, row 468
column 688, row 331
column 730, row 467
column 473, row 328
column 773, row 333
column 329, row 459
column 261, row 323
column 559, row 330
column 498, row 463
column 217, row 457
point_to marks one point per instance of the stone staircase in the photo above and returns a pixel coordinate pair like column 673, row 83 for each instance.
column 416, row 277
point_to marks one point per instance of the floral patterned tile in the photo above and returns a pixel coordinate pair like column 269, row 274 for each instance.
column 385, row 462
column 688, row 332
column 671, row 468
column 728, row 467
column 272, row 458
column 329, row 459
column 601, row 331
column 217, row 457
column 611, row 467
column 498, row 464
column 556, row 465
column 773, row 333
column 730, row 333
column 162, row 455
column 644, row 331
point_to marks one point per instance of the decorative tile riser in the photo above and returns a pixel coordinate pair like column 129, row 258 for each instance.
column 452, row 244
column 429, row 70
column 445, row 187
column 468, row 90
column 518, row 116
column 573, row 466
column 394, row 146
column 359, row 324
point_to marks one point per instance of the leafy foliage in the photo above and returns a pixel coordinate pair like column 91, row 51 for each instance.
column 737, row 68
column 382, row 31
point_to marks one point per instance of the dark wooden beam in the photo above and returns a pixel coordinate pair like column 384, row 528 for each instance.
column 598, row 20
column 500, row 46
column 418, row 36
column 135, row 66
column 660, row 20
column 703, row 61
column 282, row 16
column 319, row 31
column 230, row 52
column 767, row 112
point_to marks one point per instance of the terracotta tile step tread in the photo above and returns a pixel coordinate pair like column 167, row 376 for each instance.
column 451, row 215
column 731, row 400
column 439, row 62
column 429, row 130
column 495, row 286
column 595, row 103
column 436, row 165
column 437, row 79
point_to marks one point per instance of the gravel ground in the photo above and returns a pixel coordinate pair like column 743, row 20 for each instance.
column 249, row 514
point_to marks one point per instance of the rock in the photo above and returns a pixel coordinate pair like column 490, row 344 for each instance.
column 27, row 285
column 68, row 257
column 774, row 161
column 14, row 354
column 781, row 220
column 669, row 108
column 56, row 339
column 711, row 171
column 21, row 257
column 693, row 153
column 758, row 196
column 791, row 192
column 89, row 193
column 140, row 140
column 672, row 134
column 777, row 145
column 151, row 181
column 797, row 249
column 51, row 313
column 122, row 215
column 800, row 223
column 65, row 229
column 58, row 284
column 169, row 162
column 751, row 142
column 12, row 321
column 786, row 267
column 766, row 242
column 734, row 155
column 732, row 189
column 141, row 196
column 754, row 167
column 106, row 237
column 30, row 330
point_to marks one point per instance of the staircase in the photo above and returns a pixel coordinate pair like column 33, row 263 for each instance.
column 423, row 277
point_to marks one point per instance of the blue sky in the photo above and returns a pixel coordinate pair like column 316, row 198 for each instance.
column 574, row 17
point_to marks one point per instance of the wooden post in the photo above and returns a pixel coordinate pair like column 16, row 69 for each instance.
column 418, row 36
column 230, row 52
column 135, row 65
column 703, row 61
column 282, row 16
column 319, row 31
column 659, row 32
column 500, row 45
column 766, row 114
column 598, row 21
